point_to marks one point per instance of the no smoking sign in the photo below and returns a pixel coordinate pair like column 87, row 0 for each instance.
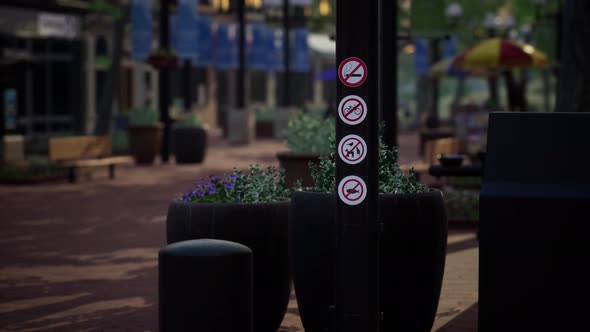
column 352, row 190
column 352, row 72
column 352, row 110
column 352, row 149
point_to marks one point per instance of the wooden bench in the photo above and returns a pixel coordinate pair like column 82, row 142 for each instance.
column 432, row 150
column 85, row 151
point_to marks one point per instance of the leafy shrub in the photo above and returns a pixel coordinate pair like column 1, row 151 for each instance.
column 257, row 186
column 392, row 179
column 310, row 133
column 143, row 117
column 36, row 166
column 191, row 121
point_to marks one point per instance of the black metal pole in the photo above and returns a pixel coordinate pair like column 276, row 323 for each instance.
column 357, row 220
column 435, row 57
column 164, row 81
column 287, row 43
column 187, row 79
column 388, row 99
column 241, row 84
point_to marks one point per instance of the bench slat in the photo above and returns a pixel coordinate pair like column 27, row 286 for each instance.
column 79, row 147
column 99, row 162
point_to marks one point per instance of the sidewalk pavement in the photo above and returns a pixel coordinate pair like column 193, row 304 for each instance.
column 83, row 257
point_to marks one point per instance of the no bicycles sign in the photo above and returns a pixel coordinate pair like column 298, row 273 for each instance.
column 352, row 110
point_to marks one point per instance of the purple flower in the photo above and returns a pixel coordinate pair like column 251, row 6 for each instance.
column 208, row 185
column 213, row 191
column 233, row 176
column 229, row 185
column 215, row 178
column 201, row 194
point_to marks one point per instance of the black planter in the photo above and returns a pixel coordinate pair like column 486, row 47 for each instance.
column 261, row 227
column 412, row 259
column 190, row 145
column 296, row 166
column 145, row 142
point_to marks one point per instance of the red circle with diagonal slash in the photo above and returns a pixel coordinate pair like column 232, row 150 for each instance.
column 352, row 110
column 352, row 190
column 352, row 72
column 348, row 145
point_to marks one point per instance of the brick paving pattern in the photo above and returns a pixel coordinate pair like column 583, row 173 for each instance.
column 83, row 257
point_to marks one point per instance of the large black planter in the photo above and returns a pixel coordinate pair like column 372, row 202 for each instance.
column 261, row 227
column 412, row 259
column 190, row 144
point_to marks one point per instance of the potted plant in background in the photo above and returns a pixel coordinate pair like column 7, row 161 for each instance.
column 164, row 59
column 34, row 170
column 145, row 135
column 265, row 124
column 190, row 140
column 413, row 246
column 250, row 208
column 308, row 138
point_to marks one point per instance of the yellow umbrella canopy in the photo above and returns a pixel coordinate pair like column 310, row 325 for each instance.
column 499, row 53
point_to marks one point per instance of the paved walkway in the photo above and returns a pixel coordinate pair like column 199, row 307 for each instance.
column 83, row 257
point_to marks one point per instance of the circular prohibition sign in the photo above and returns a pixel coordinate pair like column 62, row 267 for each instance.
column 352, row 110
column 352, row 149
column 352, row 72
column 352, row 190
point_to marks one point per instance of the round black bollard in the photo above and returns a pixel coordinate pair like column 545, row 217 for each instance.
column 205, row 285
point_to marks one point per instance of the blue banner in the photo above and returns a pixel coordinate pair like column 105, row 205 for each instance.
column 258, row 47
column 421, row 56
column 186, row 29
column 450, row 47
column 141, row 28
column 300, row 51
column 277, row 51
column 205, row 44
column 226, row 57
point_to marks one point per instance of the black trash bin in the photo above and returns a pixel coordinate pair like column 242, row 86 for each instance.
column 205, row 285
column 534, row 247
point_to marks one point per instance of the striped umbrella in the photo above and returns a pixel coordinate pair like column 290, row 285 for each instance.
column 499, row 53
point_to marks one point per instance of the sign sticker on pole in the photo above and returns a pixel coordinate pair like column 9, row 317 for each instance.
column 352, row 149
column 352, row 72
column 352, row 110
column 352, row 190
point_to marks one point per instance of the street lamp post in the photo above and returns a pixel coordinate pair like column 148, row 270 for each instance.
column 164, row 81
column 287, row 56
column 453, row 12
column 489, row 23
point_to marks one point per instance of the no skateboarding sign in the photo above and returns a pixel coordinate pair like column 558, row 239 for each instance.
column 352, row 149
column 352, row 110
column 353, row 72
column 352, row 190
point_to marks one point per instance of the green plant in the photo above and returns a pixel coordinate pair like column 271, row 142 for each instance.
column 310, row 133
column 266, row 115
column 191, row 121
column 462, row 204
column 392, row 179
column 36, row 166
column 143, row 117
column 257, row 186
